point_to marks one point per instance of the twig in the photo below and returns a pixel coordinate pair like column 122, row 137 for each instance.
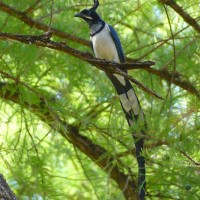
column 147, row 146
column 192, row 22
column 32, row 7
column 189, row 158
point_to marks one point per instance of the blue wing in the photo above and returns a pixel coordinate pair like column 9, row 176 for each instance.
column 117, row 44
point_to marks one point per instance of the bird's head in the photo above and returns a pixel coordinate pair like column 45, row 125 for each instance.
column 90, row 15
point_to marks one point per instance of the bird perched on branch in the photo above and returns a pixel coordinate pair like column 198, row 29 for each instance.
column 106, row 45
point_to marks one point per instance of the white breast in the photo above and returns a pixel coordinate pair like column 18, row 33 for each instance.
column 103, row 45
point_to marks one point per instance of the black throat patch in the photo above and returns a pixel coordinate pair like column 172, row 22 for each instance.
column 96, row 28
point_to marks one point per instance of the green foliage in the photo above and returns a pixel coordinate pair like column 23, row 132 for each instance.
column 39, row 163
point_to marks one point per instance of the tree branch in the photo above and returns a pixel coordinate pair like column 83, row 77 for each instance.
column 163, row 74
column 187, row 18
column 96, row 153
column 174, row 78
column 103, row 65
column 32, row 23
column 32, row 7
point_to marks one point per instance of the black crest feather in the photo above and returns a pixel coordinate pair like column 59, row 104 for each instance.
column 96, row 4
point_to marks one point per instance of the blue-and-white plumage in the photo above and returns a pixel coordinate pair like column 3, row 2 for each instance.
column 106, row 45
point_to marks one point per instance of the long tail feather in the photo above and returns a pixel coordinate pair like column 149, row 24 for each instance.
column 134, row 115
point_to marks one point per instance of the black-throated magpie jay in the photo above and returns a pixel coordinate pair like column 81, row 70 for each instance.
column 106, row 45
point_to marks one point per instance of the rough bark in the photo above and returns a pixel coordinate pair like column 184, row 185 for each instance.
column 5, row 191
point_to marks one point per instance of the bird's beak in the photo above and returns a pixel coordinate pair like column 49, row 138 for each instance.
column 78, row 15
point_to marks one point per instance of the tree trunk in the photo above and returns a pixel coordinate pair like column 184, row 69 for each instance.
column 5, row 191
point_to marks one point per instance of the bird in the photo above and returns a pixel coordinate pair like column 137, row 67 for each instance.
column 106, row 44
